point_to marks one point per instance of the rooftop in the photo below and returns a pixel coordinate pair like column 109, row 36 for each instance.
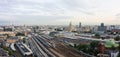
column 111, row 43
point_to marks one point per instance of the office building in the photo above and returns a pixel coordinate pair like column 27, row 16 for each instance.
column 102, row 27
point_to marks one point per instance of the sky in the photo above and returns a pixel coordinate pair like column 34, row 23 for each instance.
column 59, row 12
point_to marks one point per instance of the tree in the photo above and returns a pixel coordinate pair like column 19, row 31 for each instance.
column 119, row 50
column 20, row 34
column 7, row 49
column 97, row 35
column 82, row 47
column 94, row 44
column 24, row 40
column 117, row 38
column 75, row 46
column 92, row 48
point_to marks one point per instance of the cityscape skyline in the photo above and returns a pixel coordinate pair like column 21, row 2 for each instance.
column 59, row 28
column 59, row 12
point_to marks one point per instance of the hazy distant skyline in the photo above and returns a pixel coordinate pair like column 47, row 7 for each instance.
column 59, row 12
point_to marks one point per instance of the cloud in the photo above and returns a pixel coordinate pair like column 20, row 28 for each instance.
column 44, row 11
column 42, row 6
column 31, row 19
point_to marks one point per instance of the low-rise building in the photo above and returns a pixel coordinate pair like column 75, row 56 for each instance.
column 109, row 48
column 8, row 32
column 11, row 40
column 3, row 53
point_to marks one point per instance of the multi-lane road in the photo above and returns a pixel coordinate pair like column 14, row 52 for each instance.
column 90, row 39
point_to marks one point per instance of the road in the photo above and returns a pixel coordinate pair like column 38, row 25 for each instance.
column 89, row 39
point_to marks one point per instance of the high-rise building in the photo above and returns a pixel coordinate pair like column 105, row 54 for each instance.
column 71, row 27
column 80, row 25
column 102, row 27
column 102, row 24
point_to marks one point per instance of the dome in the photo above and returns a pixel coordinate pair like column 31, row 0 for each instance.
column 110, row 43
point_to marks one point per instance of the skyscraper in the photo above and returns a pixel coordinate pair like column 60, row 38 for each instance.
column 102, row 27
column 71, row 27
column 102, row 24
column 80, row 25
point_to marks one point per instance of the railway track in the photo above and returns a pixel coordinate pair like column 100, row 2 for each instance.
column 44, row 49
column 36, row 48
